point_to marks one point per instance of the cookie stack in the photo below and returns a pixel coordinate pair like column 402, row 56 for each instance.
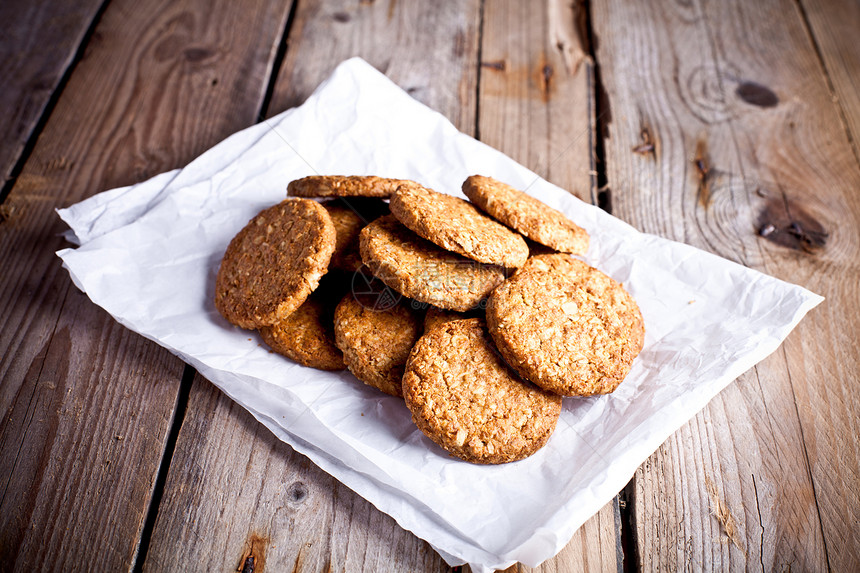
column 474, row 311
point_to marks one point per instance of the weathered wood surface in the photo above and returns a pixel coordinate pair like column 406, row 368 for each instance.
column 719, row 125
column 833, row 26
column 749, row 160
column 87, row 405
column 428, row 50
column 38, row 43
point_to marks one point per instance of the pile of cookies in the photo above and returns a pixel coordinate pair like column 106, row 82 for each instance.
column 474, row 311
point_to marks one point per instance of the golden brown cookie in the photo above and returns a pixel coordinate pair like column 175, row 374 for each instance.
column 566, row 326
column 274, row 263
column 522, row 212
column 349, row 217
column 307, row 335
column 376, row 331
column 419, row 269
column 465, row 398
column 458, row 226
column 436, row 316
column 345, row 186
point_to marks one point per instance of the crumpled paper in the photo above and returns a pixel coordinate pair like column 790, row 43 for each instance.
column 149, row 254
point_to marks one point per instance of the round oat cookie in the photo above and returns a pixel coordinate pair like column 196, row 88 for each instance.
column 457, row 226
column 349, row 217
column 376, row 334
column 436, row 316
column 522, row 212
column 345, row 186
column 307, row 335
column 274, row 263
column 420, row 270
column 465, row 398
column 566, row 326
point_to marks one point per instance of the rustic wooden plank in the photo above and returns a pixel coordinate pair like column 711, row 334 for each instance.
column 38, row 44
column 750, row 161
column 429, row 51
column 221, row 502
column 86, row 404
column 537, row 105
column 834, row 26
column 236, row 492
column 536, row 96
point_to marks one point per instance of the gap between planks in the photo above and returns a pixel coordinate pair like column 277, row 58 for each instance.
column 179, row 410
column 602, row 197
column 189, row 372
column 828, row 80
column 48, row 108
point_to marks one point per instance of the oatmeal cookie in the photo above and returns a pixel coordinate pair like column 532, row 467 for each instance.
column 307, row 335
column 376, row 337
column 345, row 186
column 457, row 226
column 465, row 398
column 420, row 270
column 566, row 326
column 436, row 316
column 349, row 217
column 274, row 263
column 522, row 212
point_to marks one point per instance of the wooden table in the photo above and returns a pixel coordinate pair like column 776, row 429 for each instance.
column 731, row 126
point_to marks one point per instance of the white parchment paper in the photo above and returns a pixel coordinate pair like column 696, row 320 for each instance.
column 149, row 254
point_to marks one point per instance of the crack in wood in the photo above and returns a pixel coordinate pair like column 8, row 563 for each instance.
column 39, row 125
column 277, row 62
column 760, row 522
column 627, row 513
column 566, row 32
column 700, row 162
column 724, row 515
column 600, row 112
column 163, row 468
column 498, row 65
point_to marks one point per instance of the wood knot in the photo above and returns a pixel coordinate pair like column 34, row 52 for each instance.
column 756, row 94
column 783, row 222
column 498, row 65
column 197, row 55
column 297, row 492
column 702, row 170
column 646, row 147
column 545, row 78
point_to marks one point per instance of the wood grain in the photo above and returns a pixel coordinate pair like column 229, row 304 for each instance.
column 427, row 49
column 833, row 25
column 86, row 404
column 536, row 95
column 38, row 44
column 750, row 161
column 233, row 490
column 537, row 106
